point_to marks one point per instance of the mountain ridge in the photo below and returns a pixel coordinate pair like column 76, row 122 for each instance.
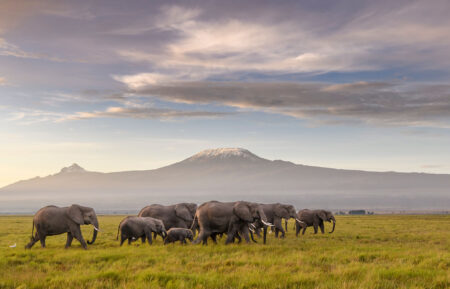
column 232, row 173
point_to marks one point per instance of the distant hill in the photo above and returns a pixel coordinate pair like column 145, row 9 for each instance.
column 231, row 174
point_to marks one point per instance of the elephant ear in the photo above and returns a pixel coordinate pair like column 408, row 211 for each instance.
column 242, row 210
column 75, row 214
column 183, row 212
column 322, row 215
column 152, row 226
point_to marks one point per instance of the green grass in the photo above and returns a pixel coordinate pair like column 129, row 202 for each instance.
column 364, row 252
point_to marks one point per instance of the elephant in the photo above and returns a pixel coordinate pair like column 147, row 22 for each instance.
column 314, row 218
column 232, row 218
column 53, row 220
column 132, row 227
column 178, row 234
column 174, row 216
column 275, row 213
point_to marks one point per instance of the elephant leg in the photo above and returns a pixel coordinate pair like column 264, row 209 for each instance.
column 203, row 237
column 143, row 239
column 32, row 241
column 265, row 234
column 245, row 233
column 303, row 232
column 76, row 233
column 278, row 228
column 122, row 239
column 69, row 240
column 238, row 237
column 246, row 237
column 297, row 229
column 154, row 235
column 205, row 241
column 149, row 237
column 42, row 237
column 231, row 234
column 183, row 241
column 322, row 228
column 214, row 238
column 315, row 228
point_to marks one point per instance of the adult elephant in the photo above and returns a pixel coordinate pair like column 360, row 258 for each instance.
column 53, row 220
column 132, row 228
column 174, row 216
column 231, row 218
column 314, row 218
column 275, row 213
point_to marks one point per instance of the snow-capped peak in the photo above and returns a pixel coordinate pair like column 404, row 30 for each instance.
column 74, row 168
column 224, row 153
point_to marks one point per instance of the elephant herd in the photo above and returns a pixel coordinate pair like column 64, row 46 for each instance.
column 182, row 221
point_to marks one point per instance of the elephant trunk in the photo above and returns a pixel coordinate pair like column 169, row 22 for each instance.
column 334, row 224
column 94, row 236
column 264, row 221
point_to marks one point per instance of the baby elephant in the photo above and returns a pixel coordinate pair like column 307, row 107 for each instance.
column 132, row 228
column 178, row 234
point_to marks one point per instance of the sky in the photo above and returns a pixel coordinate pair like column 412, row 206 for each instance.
column 133, row 85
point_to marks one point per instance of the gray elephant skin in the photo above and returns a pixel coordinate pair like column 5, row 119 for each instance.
column 231, row 218
column 178, row 234
column 275, row 213
column 132, row 228
column 314, row 218
column 53, row 220
column 173, row 216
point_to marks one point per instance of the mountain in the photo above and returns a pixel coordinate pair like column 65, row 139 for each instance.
column 231, row 174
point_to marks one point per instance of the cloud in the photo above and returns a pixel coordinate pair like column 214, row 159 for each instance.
column 379, row 103
column 139, row 80
column 9, row 49
column 432, row 166
column 26, row 116
column 371, row 37
column 2, row 81
column 144, row 113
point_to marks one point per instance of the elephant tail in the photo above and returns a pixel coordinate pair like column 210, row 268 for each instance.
column 118, row 228
column 32, row 230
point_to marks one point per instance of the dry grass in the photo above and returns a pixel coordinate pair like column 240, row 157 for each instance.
column 364, row 252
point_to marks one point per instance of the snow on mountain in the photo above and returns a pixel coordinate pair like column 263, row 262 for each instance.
column 224, row 154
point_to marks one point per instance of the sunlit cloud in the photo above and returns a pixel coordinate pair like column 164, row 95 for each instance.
column 144, row 113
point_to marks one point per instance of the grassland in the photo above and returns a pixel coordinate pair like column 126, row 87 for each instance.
column 364, row 252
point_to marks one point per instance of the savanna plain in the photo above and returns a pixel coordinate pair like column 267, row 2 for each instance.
column 377, row 251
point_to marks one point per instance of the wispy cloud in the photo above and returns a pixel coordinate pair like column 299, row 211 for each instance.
column 432, row 166
column 144, row 113
column 379, row 103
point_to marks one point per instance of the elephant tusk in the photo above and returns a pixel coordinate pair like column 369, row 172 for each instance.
column 301, row 222
column 251, row 230
column 253, row 226
column 95, row 228
column 267, row 224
